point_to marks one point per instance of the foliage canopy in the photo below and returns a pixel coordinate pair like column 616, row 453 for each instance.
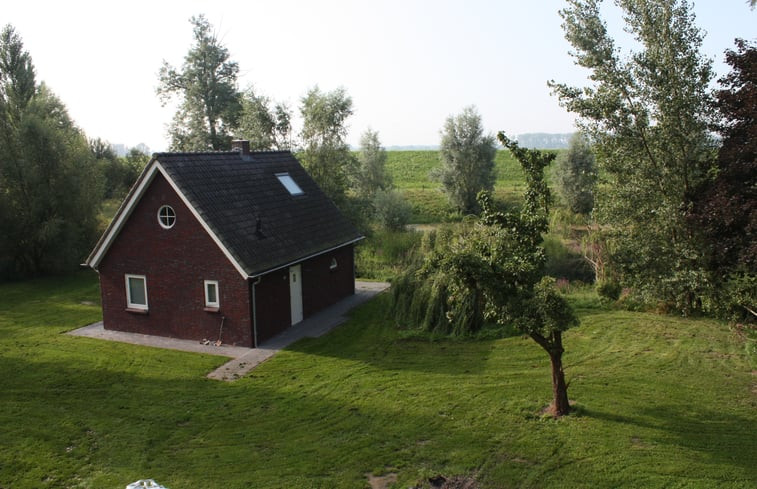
column 576, row 174
column 206, row 86
column 467, row 157
column 725, row 204
column 326, row 154
column 51, row 187
column 264, row 125
column 372, row 174
column 647, row 115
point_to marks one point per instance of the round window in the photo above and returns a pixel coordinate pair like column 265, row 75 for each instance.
column 166, row 217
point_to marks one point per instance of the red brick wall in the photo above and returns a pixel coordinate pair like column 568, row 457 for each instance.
column 175, row 261
column 272, row 304
column 322, row 286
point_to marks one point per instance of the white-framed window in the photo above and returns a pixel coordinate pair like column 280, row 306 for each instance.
column 136, row 292
column 333, row 265
column 212, row 298
column 288, row 182
column 166, row 217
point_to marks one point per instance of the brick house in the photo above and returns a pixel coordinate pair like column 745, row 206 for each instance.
column 233, row 244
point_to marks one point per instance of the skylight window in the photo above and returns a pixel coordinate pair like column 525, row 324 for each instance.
column 289, row 183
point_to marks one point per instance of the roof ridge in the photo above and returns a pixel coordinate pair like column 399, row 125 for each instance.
column 238, row 194
column 219, row 152
column 192, row 153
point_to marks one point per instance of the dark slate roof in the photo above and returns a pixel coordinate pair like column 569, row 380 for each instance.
column 232, row 191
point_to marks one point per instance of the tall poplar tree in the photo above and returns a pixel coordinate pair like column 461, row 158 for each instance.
column 648, row 115
column 206, row 86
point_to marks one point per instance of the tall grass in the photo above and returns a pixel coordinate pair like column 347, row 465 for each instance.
column 383, row 255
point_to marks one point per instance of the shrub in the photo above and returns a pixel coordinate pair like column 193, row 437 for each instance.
column 609, row 289
column 391, row 210
column 564, row 263
column 385, row 254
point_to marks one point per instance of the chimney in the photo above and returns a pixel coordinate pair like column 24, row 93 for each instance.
column 242, row 146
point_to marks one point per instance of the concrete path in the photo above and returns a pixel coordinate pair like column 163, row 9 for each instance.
column 245, row 359
column 96, row 330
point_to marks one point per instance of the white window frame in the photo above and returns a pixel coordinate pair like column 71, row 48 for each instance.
column 129, row 303
column 288, row 182
column 217, row 303
column 172, row 217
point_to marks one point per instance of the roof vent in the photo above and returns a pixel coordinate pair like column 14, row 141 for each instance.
column 241, row 146
column 259, row 228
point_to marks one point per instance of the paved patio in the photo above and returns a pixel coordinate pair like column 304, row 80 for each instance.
column 245, row 359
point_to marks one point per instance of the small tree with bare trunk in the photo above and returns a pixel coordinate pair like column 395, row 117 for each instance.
column 494, row 271
column 518, row 292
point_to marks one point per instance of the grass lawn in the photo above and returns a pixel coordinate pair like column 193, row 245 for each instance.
column 660, row 402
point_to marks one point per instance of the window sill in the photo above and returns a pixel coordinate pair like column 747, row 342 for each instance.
column 136, row 311
column 212, row 309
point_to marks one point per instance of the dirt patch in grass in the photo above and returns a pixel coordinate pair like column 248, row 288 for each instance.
column 381, row 481
column 442, row 482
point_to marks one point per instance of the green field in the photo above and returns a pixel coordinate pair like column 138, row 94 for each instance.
column 410, row 173
column 660, row 402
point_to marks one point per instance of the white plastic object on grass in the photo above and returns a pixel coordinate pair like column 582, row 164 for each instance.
column 145, row 484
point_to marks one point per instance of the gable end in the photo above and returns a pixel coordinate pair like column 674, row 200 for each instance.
column 124, row 212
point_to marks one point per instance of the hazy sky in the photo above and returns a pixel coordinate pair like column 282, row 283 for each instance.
column 407, row 64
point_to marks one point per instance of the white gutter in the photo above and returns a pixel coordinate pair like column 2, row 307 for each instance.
column 300, row 260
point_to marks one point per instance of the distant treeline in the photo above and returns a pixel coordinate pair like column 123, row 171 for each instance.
column 534, row 140
column 542, row 140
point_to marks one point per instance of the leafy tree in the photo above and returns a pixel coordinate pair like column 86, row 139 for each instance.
column 110, row 166
column 495, row 271
column 17, row 77
column 390, row 209
column 371, row 175
column 576, row 174
column 467, row 157
column 133, row 164
column 725, row 205
column 207, row 88
column 51, row 188
column 119, row 174
column 326, row 154
column 264, row 126
column 136, row 160
column 648, row 116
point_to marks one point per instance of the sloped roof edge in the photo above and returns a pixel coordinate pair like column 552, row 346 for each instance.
column 123, row 213
column 143, row 183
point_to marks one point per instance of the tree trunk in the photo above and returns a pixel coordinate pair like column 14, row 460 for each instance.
column 560, row 405
column 213, row 137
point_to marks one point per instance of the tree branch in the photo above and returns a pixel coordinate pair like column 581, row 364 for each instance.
column 748, row 309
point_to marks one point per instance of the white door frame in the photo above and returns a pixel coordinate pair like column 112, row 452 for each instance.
column 295, row 293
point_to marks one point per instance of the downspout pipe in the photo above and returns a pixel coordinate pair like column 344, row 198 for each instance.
column 255, row 313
